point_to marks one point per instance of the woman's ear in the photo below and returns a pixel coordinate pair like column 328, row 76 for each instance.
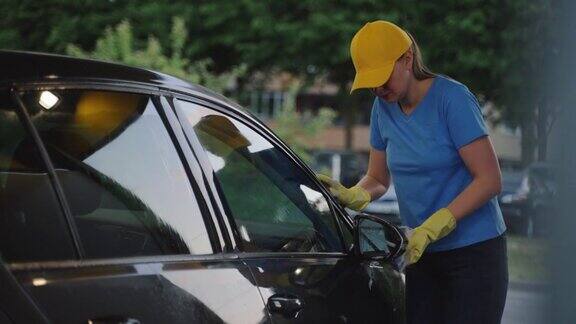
column 409, row 59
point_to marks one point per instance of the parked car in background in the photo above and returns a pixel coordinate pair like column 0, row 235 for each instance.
column 511, row 182
column 527, row 199
column 129, row 196
column 386, row 207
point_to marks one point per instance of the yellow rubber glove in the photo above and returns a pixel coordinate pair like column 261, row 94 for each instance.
column 356, row 198
column 440, row 224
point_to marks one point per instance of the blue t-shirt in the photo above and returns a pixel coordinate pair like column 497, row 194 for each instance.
column 422, row 156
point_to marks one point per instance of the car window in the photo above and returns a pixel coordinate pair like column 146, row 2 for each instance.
column 276, row 207
column 542, row 181
column 32, row 226
column 121, row 173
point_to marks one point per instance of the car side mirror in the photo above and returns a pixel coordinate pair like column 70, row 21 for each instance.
column 375, row 238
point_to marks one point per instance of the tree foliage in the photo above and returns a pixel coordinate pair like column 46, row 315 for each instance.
column 498, row 48
column 117, row 45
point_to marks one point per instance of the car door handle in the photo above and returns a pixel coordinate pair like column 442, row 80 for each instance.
column 114, row 320
column 287, row 305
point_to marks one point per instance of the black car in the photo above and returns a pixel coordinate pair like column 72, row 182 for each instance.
column 129, row 196
column 527, row 199
column 511, row 182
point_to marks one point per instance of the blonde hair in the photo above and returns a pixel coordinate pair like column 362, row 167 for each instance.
column 419, row 69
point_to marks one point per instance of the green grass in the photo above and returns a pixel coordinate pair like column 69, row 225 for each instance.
column 527, row 258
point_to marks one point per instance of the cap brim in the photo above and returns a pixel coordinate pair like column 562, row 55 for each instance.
column 372, row 78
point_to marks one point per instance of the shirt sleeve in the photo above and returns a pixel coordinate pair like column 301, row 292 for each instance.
column 464, row 117
column 376, row 140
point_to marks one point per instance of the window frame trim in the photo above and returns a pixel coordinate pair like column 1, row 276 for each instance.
column 23, row 267
column 224, row 220
column 54, row 180
column 175, row 132
column 211, row 219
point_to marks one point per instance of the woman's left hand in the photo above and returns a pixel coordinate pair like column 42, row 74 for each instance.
column 440, row 224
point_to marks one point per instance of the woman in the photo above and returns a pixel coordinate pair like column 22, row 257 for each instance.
column 427, row 132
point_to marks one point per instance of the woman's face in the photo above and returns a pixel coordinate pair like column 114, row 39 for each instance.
column 396, row 87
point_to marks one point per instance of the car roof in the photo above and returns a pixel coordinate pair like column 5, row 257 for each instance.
column 22, row 66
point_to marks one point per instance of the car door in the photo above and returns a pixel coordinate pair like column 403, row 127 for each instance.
column 104, row 218
column 16, row 306
column 286, row 228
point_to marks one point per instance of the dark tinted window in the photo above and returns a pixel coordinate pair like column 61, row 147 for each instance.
column 123, row 178
column 275, row 205
column 32, row 226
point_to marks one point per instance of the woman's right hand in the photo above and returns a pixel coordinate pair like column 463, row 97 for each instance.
column 356, row 197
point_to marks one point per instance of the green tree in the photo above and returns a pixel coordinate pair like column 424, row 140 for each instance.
column 496, row 48
column 309, row 38
column 530, row 47
column 118, row 45
column 51, row 25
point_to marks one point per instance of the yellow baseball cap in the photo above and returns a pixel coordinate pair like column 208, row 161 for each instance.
column 374, row 50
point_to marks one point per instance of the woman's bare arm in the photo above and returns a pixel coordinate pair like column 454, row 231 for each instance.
column 481, row 161
column 377, row 179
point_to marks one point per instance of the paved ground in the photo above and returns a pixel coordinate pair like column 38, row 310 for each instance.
column 525, row 304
